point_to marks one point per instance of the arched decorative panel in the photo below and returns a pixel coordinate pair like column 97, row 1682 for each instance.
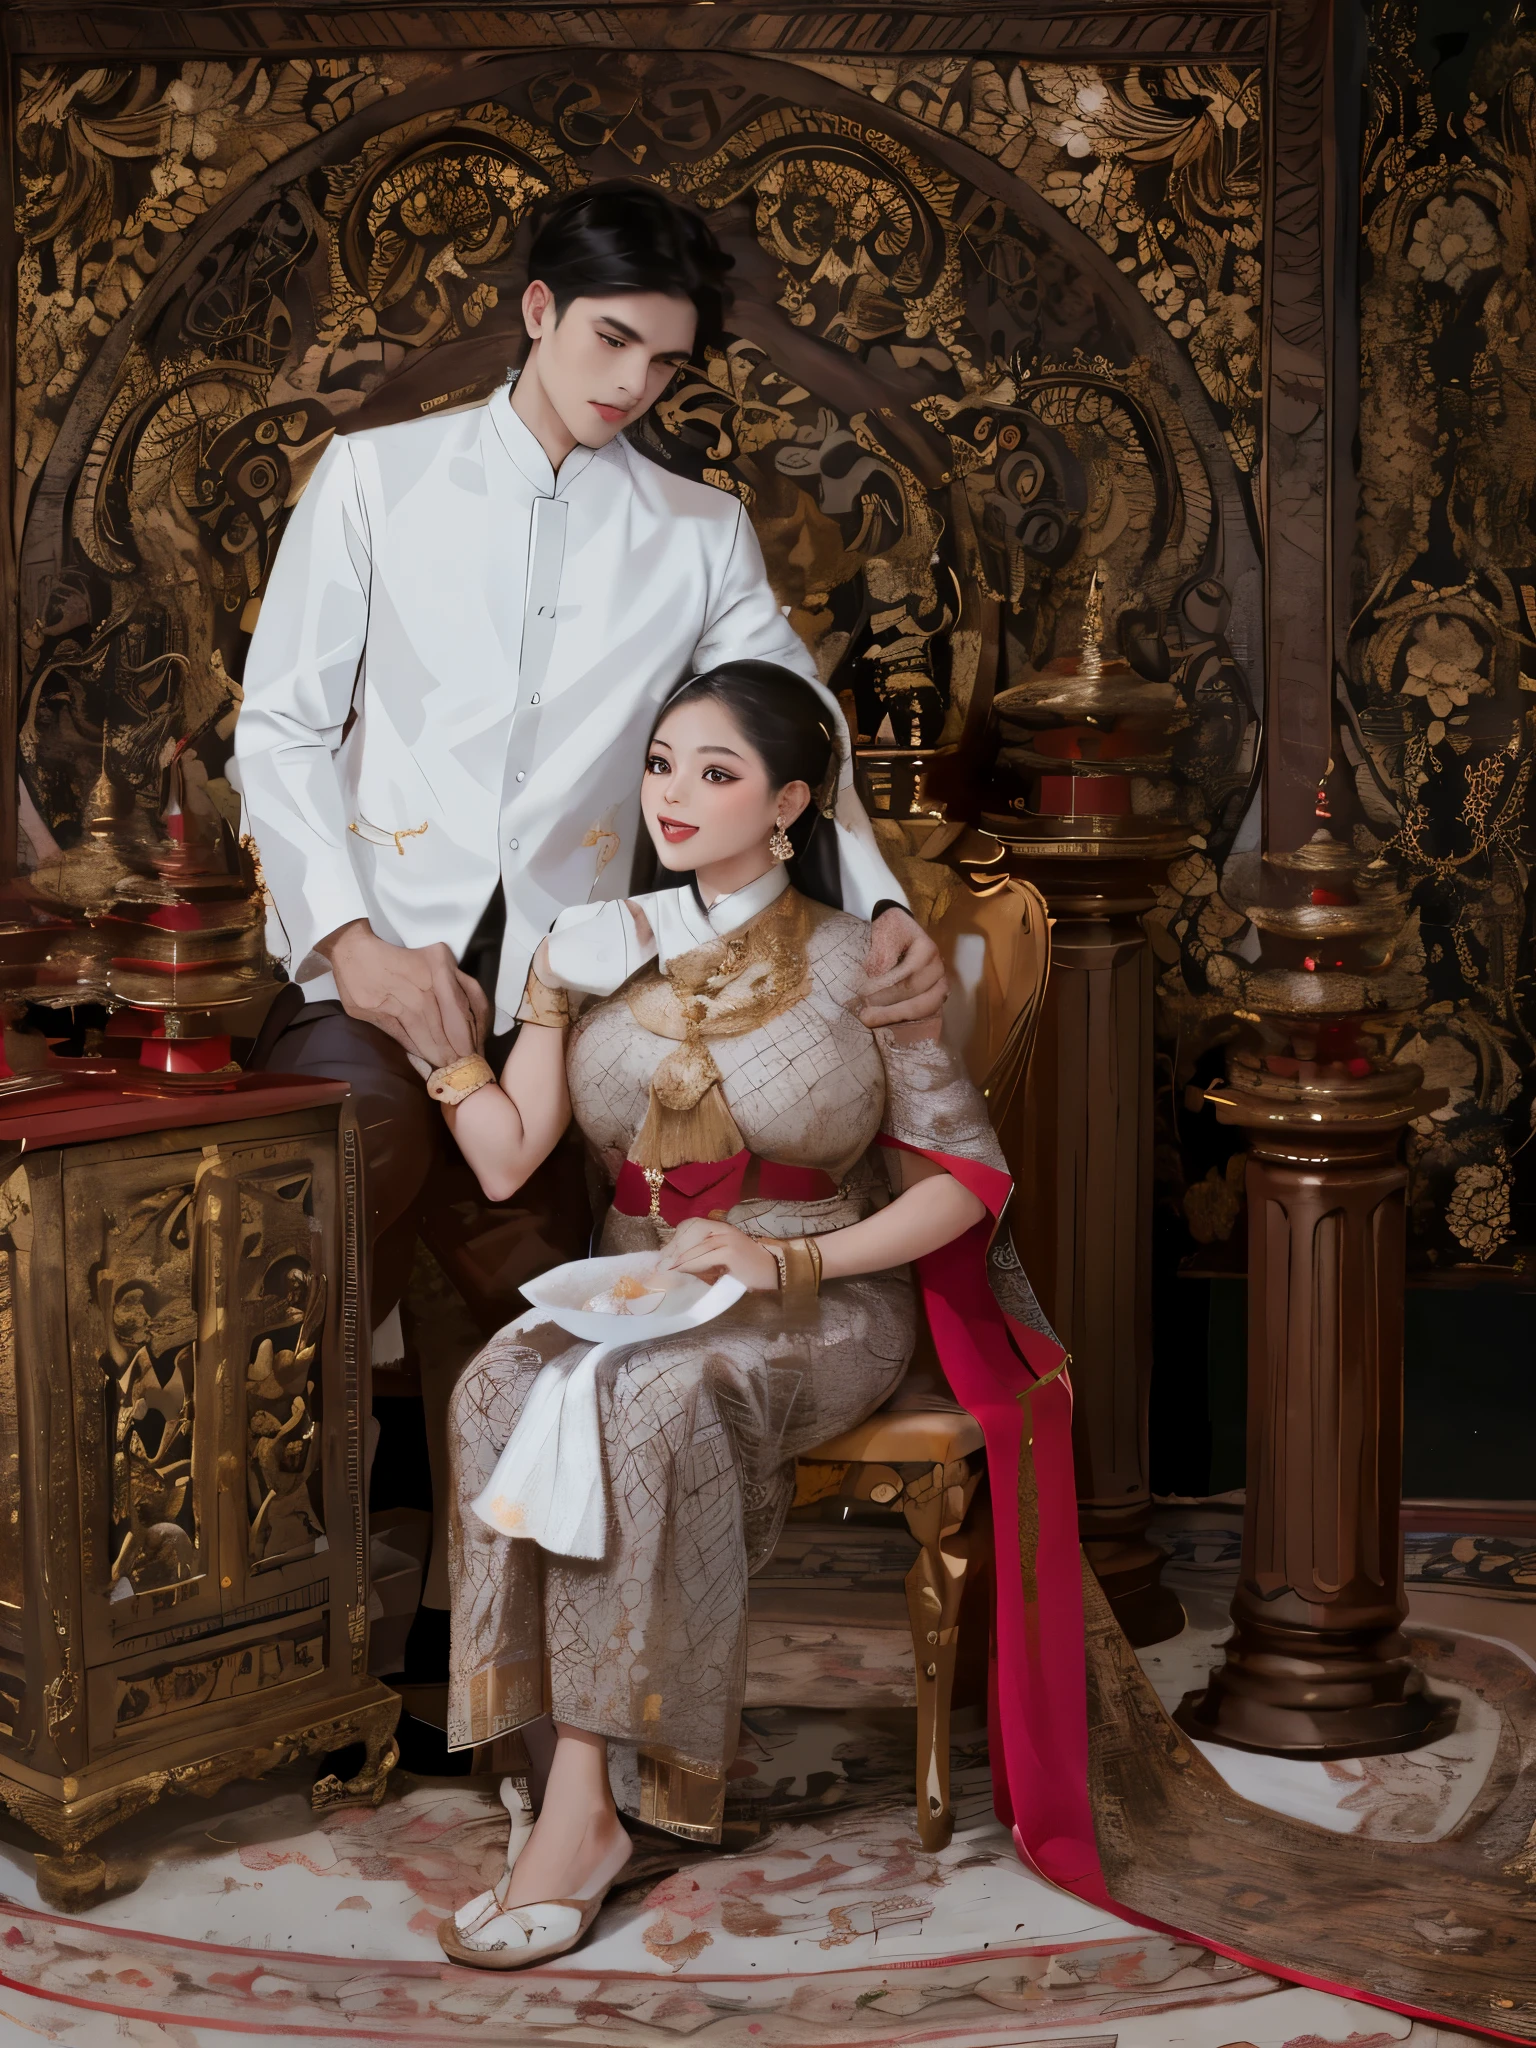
column 985, row 353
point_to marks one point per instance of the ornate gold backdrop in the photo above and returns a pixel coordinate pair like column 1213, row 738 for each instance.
column 1440, row 663
column 1007, row 284
column 949, row 401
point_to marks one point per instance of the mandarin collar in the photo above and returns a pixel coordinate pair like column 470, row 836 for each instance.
column 730, row 913
column 523, row 445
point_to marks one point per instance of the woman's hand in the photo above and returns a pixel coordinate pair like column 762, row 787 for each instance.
column 710, row 1249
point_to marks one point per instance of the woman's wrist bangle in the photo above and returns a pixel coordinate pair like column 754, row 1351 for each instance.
column 814, row 1250
column 455, row 1084
column 543, row 1004
column 799, row 1264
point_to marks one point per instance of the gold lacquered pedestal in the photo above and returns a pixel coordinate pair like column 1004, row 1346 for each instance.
column 183, row 1541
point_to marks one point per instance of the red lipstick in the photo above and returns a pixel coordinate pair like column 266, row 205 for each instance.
column 674, row 831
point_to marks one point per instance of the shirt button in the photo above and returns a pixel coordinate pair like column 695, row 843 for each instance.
column 520, row 776
column 534, row 698
column 512, row 843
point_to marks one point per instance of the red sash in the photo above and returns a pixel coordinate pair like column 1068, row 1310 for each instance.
column 701, row 1190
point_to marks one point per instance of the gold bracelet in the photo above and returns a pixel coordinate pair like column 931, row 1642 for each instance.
column 454, row 1084
column 542, row 1004
column 815, row 1251
column 799, row 1270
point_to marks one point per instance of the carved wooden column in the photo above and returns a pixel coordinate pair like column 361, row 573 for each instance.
column 1086, row 1211
column 1317, row 1665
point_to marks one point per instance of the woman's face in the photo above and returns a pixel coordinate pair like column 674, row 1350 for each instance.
column 706, row 796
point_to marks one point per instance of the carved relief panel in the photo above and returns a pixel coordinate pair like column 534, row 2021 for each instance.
column 199, row 1311
column 131, row 1701
column 147, row 1545
column 1441, row 663
column 274, row 1236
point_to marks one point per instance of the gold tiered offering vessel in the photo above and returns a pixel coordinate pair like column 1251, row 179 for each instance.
column 1317, row 999
column 1084, row 763
column 66, row 895
column 167, row 922
column 186, row 928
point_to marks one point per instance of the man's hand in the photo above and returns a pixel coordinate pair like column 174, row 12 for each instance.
column 415, row 993
column 905, row 973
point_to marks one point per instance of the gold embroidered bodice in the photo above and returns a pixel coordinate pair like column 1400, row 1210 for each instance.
column 773, row 1008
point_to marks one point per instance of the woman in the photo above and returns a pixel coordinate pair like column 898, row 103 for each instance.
column 706, row 1038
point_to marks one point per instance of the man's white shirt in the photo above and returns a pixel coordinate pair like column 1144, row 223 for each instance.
column 505, row 637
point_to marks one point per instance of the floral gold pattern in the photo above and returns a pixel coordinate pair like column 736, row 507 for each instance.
column 1441, row 670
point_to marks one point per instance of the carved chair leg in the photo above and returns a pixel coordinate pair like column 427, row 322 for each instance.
column 935, row 1587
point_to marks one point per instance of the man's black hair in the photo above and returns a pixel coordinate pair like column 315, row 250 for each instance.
column 620, row 236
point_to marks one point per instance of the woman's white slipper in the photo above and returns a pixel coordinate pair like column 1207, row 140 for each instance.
column 516, row 1937
column 518, row 1800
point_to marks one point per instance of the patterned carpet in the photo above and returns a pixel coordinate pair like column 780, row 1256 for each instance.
column 249, row 1918
column 1411, row 1879
column 255, row 1918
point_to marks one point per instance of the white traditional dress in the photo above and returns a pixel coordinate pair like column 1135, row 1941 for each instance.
column 757, row 999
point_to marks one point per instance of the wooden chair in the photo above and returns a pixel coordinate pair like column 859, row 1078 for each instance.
column 861, row 1602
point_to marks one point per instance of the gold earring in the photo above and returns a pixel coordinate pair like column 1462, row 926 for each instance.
column 779, row 844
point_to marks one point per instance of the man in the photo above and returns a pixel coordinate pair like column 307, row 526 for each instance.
column 469, row 629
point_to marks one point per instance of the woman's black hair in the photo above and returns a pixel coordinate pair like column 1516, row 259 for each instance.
column 619, row 236
column 794, row 735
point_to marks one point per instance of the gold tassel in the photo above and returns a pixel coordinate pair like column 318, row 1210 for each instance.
column 689, row 1120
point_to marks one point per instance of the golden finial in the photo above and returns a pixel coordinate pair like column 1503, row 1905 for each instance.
column 1093, row 631
column 101, row 805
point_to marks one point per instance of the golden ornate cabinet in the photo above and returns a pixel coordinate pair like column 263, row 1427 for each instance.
column 183, row 1543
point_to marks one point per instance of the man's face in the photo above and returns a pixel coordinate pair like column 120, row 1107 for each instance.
column 604, row 362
